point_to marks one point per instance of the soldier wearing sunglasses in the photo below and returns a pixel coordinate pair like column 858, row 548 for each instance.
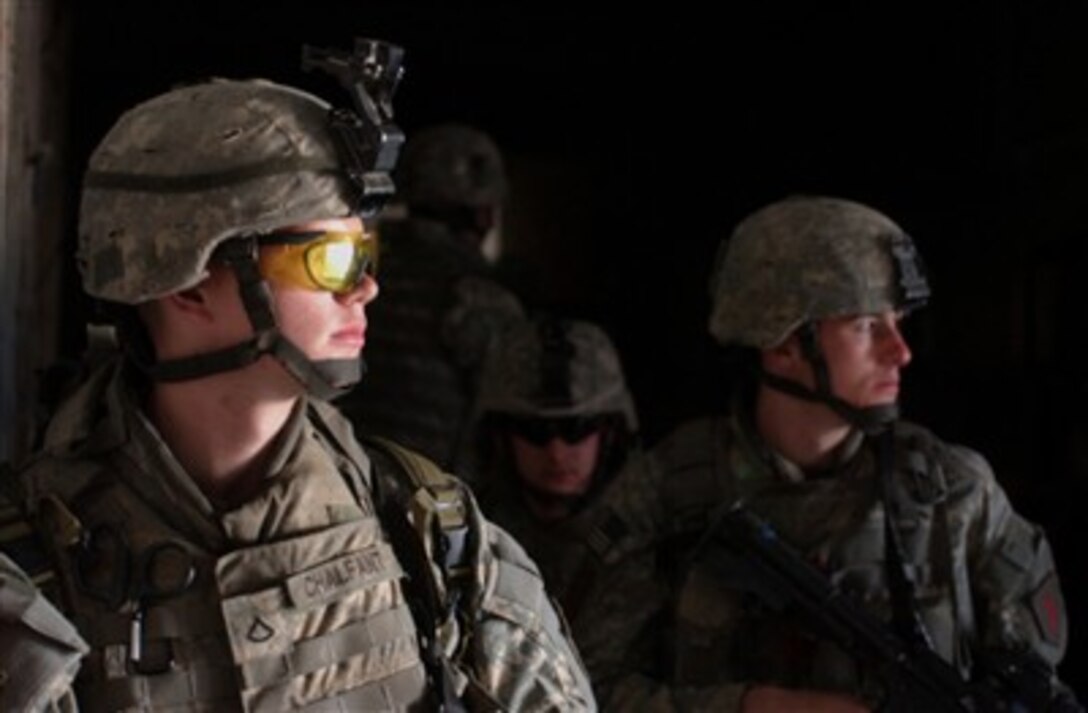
column 221, row 538
column 556, row 424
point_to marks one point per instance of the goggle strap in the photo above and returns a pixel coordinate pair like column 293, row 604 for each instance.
column 285, row 238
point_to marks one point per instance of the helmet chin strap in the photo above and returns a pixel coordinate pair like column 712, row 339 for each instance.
column 871, row 420
column 324, row 379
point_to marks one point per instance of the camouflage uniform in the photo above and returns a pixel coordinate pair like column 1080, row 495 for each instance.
column 440, row 306
column 553, row 369
column 298, row 598
column 666, row 631
column 664, row 638
column 355, row 579
column 39, row 649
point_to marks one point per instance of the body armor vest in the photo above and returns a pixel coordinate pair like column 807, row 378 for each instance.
column 297, row 602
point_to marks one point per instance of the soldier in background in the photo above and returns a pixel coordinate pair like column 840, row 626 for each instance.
column 809, row 292
column 556, row 423
column 440, row 306
column 221, row 539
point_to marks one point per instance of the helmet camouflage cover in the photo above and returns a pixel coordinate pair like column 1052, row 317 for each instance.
column 183, row 172
column 449, row 166
column 810, row 258
column 555, row 369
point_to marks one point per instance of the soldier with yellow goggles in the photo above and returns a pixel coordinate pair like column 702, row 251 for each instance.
column 335, row 261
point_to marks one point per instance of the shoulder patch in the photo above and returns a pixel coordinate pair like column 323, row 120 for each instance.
column 1048, row 610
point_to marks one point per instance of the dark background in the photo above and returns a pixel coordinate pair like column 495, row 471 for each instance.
column 636, row 140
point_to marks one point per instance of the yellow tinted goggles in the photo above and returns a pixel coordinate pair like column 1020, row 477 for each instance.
column 335, row 261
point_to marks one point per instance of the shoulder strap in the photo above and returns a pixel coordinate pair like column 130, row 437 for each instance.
column 438, row 512
column 425, row 514
column 428, row 526
column 925, row 485
column 435, row 503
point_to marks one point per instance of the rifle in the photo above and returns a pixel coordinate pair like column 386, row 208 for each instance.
column 915, row 678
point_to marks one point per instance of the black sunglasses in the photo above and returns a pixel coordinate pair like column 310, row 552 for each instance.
column 540, row 431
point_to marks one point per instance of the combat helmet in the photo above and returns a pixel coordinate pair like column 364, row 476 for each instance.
column 804, row 259
column 551, row 369
column 451, row 166
column 209, row 168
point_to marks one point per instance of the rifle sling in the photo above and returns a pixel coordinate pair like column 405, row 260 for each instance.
column 905, row 618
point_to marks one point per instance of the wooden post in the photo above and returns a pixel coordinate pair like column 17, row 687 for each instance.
column 34, row 42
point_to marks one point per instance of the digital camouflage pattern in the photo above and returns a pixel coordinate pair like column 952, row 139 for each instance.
column 805, row 259
column 39, row 649
column 659, row 636
column 298, row 598
column 555, row 369
column 451, row 166
column 181, row 173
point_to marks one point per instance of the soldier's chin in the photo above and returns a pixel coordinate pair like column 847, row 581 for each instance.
column 877, row 401
column 559, row 488
column 567, row 486
column 885, row 395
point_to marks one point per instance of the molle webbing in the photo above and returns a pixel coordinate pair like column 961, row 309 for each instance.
column 209, row 684
column 345, row 642
column 426, row 517
column 326, row 650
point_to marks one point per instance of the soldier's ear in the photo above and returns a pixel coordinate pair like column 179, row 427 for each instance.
column 784, row 356
column 206, row 300
column 192, row 302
